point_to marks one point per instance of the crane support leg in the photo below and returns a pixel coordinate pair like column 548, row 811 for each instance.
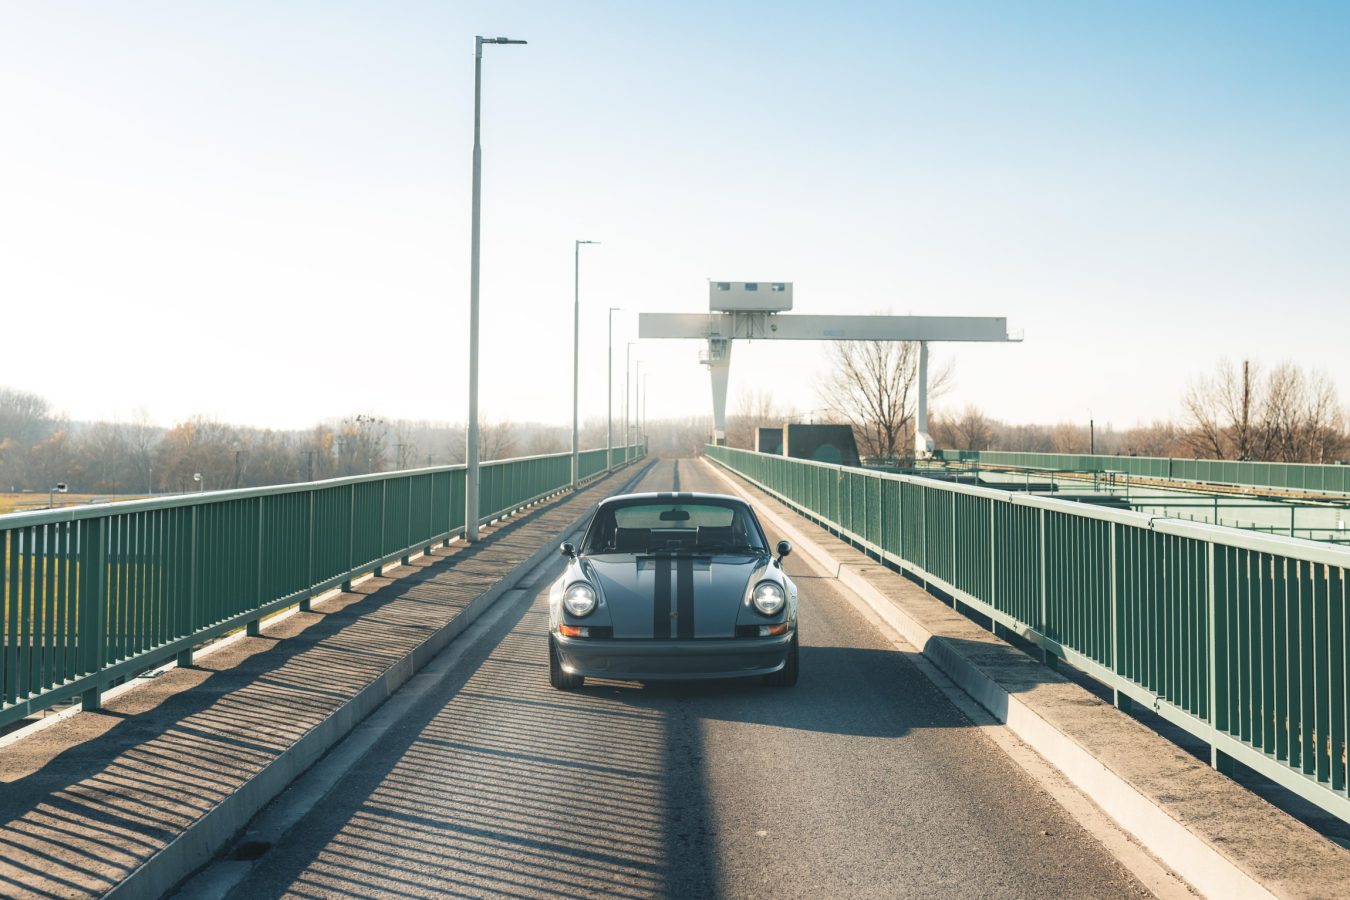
column 719, row 367
column 923, row 442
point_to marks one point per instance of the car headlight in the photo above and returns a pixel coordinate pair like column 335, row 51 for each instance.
column 579, row 598
column 768, row 598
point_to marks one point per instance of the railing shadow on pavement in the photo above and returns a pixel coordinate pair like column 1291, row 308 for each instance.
column 93, row 812
column 498, row 784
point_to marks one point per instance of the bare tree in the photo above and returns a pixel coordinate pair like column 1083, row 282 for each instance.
column 361, row 441
column 1301, row 419
column 1222, row 412
column 199, row 446
column 142, row 441
column 873, row 386
column 754, row 410
column 405, row 448
column 497, row 440
column 104, row 459
column 25, row 418
column 1158, row 438
column 1286, row 415
column 971, row 430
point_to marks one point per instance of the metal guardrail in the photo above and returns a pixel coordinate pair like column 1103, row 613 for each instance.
column 1286, row 476
column 93, row 594
column 1238, row 637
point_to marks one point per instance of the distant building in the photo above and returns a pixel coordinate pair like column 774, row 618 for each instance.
column 769, row 440
column 822, row 443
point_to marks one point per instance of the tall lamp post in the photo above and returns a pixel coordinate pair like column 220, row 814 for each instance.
column 471, row 442
column 609, row 394
column 576, row 356
column 637, row 410
column 627, row 370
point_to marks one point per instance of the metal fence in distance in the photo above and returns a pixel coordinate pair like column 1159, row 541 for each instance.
column 1238, row 637
column 1327, row 479
column 92, row 594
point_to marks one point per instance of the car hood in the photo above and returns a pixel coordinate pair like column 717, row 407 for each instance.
column 673, row 596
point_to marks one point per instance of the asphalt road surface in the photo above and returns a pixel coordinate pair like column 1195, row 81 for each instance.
column 862, row 781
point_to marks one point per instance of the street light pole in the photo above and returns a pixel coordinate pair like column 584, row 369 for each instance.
column 627, row 370
column 471, row 441
column 637, row 410
column 576, row 356
column 609, row 394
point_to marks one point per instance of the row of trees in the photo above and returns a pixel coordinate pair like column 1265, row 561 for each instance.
column 40, row 448
column 1241, row 411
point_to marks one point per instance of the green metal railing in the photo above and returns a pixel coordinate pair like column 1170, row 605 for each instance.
column 1238, row 637
column 93, row 594
column 1285, row 476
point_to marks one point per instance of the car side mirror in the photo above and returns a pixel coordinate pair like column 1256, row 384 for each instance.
column 568, row 549
column 784, row 548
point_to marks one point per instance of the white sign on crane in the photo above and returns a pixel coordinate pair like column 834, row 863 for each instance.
column 752, row 310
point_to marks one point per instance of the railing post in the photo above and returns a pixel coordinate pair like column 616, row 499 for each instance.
column 309, row 569
column 1217, row 758
column 351, row 538
column 96, row 632
column 1122, row 701
column 955, row 562
column 993, row 564
column 431, row 514
column 185, row 656
column 407, row 534
column 384, row 496
column 923, row 530
column 1047, row 656
column 254, row 626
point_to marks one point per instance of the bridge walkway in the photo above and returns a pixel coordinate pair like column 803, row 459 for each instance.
column 87, row 801
column 864, row 780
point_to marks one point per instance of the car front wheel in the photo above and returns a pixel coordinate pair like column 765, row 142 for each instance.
column 557, row 676
column 786, row 676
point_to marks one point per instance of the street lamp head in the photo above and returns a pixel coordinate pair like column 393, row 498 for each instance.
column 588, row 242
column 479, row 41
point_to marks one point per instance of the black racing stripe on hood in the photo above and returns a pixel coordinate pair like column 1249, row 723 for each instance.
column 684, row 597
column 661, row 606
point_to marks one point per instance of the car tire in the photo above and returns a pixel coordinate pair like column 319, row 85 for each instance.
column 557, row 676
column 786, row 676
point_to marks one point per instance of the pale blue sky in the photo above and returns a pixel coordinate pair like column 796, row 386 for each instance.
column 260, row 210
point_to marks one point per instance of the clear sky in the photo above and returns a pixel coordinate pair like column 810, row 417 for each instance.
column 260, row 210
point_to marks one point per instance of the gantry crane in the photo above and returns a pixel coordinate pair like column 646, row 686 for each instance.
column 754, row 310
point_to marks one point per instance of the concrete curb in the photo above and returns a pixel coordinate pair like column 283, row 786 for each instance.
column 204, row 838
column 1186, row 853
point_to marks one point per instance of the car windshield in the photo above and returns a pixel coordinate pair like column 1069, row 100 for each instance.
column 698, row 526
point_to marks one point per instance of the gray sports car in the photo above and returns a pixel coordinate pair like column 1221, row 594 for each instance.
column 673, row 586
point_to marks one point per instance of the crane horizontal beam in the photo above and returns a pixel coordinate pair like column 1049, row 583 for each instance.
column 767, row 326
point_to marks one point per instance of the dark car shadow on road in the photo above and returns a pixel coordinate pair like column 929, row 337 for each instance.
column 857, row 698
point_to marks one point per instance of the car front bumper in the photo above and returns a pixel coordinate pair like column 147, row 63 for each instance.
column 673, row 660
